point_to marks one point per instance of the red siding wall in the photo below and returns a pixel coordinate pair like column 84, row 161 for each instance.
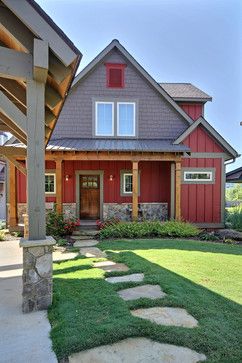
column 201, row 203
column 154, row 181
column 194, row 110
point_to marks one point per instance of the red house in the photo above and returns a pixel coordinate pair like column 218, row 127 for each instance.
column 126, row 146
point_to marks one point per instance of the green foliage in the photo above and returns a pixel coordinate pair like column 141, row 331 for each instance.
column 61, row 242
column 234, row 193
column 234, row 217
column 17, row 234
column 57, row 225
column 2, row 235
column 203, row 278
column 204, row 236
column 149, row 229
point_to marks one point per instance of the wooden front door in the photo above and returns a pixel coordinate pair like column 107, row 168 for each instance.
column 90, row 196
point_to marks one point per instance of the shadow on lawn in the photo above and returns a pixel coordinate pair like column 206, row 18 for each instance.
column 177, row 244
column 88, row 312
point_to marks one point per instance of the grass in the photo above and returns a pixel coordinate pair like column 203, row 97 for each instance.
column 204, row 278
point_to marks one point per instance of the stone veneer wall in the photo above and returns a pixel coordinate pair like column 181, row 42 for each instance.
column 147, row 211
column 69, row 209
column 37, row 278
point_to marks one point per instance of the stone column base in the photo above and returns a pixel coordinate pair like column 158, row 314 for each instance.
column 37, row 274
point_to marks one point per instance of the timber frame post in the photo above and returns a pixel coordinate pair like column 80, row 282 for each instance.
column 37, row 248
column 135, row 191
column 58, row 164
column 13, row 216
column 178, row 190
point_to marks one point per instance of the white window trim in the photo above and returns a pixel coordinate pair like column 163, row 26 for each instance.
column 134, row 123
column 96, row 106
column 210, row 173
column 124, row 175
column 51, row 174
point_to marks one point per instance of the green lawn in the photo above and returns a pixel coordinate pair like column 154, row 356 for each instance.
column 204, row 278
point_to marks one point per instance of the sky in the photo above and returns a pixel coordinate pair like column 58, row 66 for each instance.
column 194, row 41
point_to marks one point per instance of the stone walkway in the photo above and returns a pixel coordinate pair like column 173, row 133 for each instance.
column 137, row 350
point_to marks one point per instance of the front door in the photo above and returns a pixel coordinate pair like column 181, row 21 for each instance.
column 90, row 196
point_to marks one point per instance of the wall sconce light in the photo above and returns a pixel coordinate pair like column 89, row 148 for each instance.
column 67, row 177
column 111, row 177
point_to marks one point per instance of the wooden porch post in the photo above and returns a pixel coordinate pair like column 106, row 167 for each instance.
column 12, row 196
column 178, row 191
column 58, row 164
column 135, row 190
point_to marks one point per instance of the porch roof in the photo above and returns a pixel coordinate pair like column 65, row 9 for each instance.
column 141, row 145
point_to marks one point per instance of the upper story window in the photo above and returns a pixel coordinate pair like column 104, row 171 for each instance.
column 115, row 119
column 126, row 119
column 104, row 119
column 115, row 75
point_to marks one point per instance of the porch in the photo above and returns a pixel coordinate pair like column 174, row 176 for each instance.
column 102, row 185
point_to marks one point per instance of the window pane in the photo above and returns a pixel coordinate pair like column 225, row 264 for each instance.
column 49, row 183
column 126, row 119
column 128, row 183
column 198, row 176
column 104, row 119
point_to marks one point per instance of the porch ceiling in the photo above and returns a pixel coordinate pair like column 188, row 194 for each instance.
column 22, row 24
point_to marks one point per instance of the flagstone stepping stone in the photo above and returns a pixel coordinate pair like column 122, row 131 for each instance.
column 126, row 278
column 86, row 243
column 138, row 350
column 167, row 316
column 92, row 252
column 145, row 291
column 111, row 266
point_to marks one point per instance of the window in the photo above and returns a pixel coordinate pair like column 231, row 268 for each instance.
column 126, row 119
column 104, row 119
column 127, row 183
column 50, row 183
column 115, row 75
column 199, row 176
column 89, row 182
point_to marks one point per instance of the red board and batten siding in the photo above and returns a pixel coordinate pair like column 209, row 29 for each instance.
column 154, row 181
column 194, row 110
column 201, row 203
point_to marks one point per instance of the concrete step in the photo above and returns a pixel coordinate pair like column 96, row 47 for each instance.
column 88, row 232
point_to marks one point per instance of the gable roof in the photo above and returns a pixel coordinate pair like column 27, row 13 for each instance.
column 185, row 92
column 201, row 121
column 115, row 44
column 234, row 176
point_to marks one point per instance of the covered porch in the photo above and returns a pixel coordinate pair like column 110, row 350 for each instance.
column 103, row 185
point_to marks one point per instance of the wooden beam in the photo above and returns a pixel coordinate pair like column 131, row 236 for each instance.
column 40, row 27
column 49, row 116
column 41, row 60
column 35, row 159
column 12, row 112
column 106, row 156
column 15, row 65
column 59, row 186
column 178, row 191
column 15, row 89
column 135, row 191
column 17, row 164
column 13, row 151
column 13, row 217
column 13, row 129
column 57, row 69
column 52, row 97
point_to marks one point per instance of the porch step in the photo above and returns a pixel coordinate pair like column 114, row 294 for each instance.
column 87, row 232
column 87, row 225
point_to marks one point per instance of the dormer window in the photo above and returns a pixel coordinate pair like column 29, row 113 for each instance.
column 115, row 75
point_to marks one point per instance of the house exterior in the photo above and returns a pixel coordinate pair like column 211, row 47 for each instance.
column 128, row 147
column 3, row 138
column 234, row 176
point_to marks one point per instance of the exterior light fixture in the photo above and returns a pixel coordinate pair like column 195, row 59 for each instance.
column 67, row 177
column 111, row 177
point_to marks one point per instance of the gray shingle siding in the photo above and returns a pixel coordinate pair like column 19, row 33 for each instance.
column 156, row 117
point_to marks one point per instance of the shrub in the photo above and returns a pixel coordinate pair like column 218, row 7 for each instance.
column 234, row 217
column 149, row 229
column 61, row 242
column 205, row 236
column 57, row 225
column 107, row 223
column 2, row 235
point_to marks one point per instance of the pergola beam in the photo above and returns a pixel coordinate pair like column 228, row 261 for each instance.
column 13, row 129
column 12, row 112
column 41, row 60
column 15, row 65
column 17, row 164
